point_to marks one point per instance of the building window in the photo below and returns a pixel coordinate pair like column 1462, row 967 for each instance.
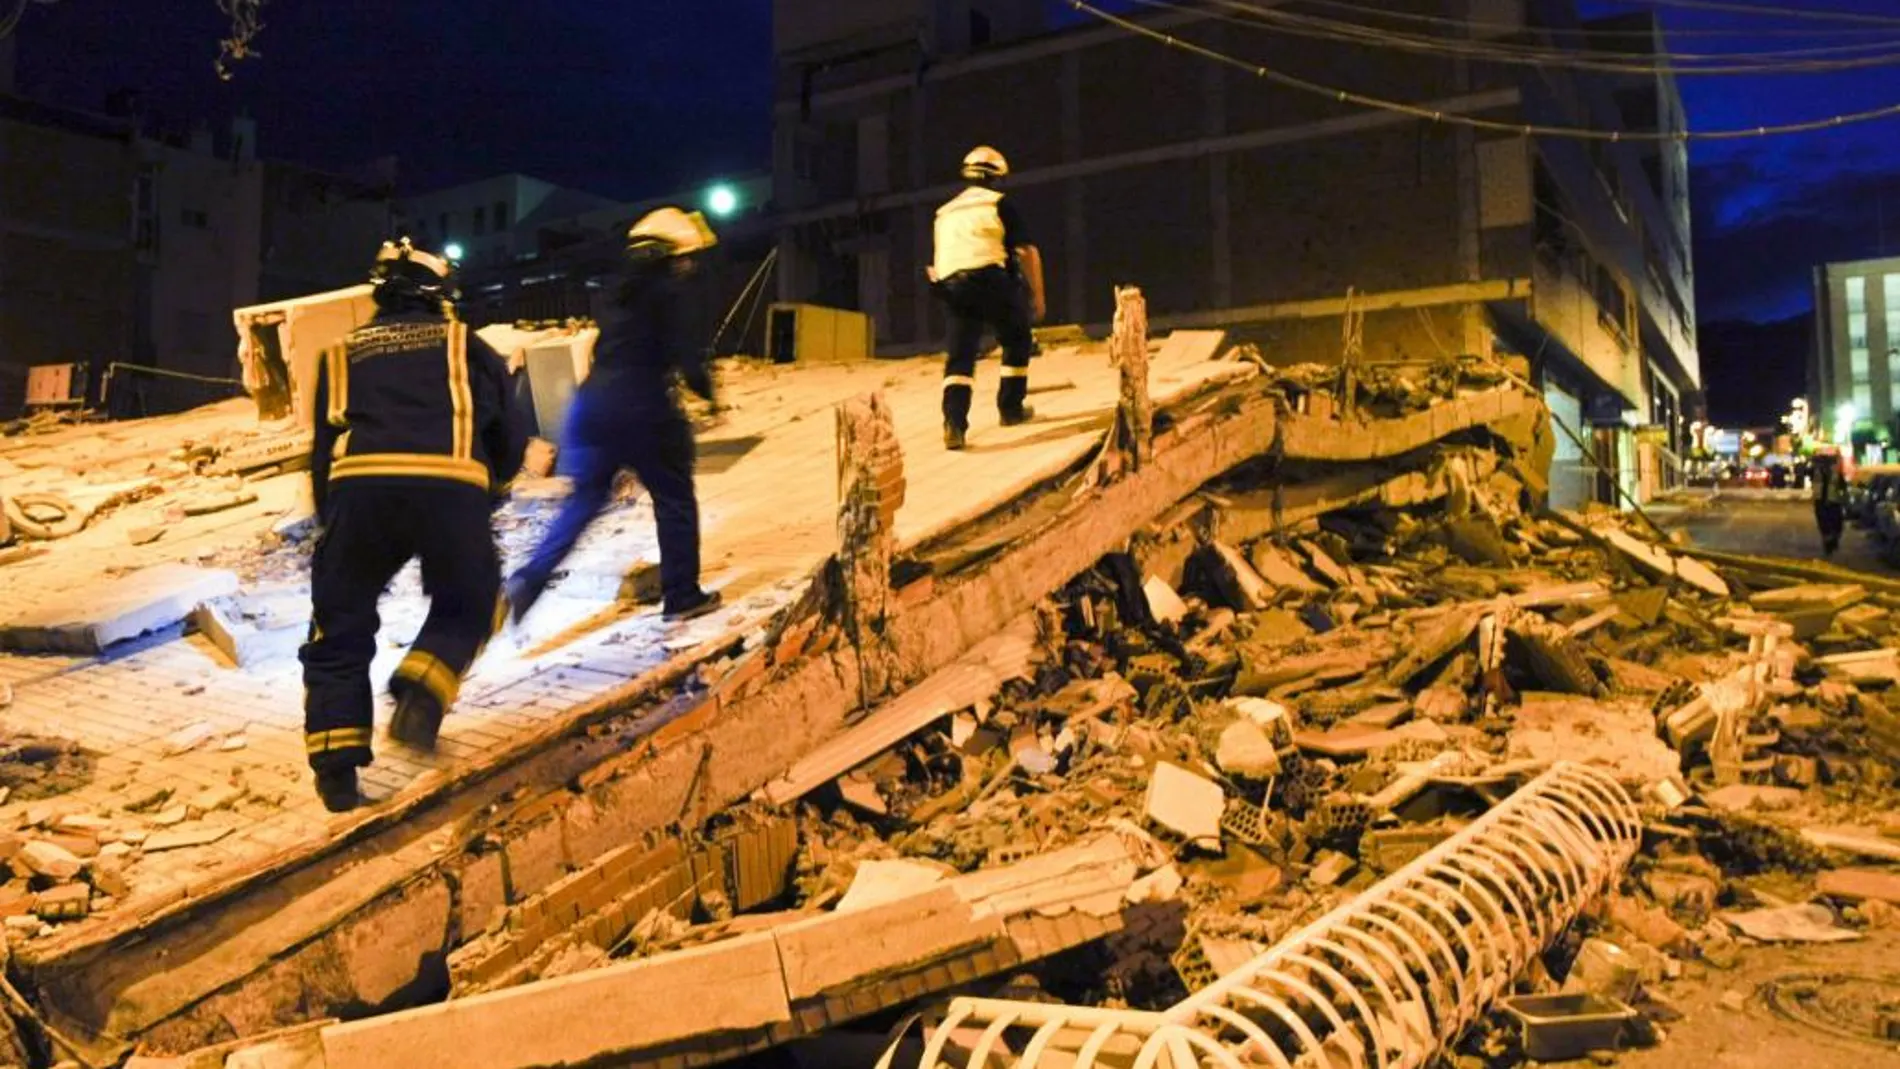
column 1856, row 289
column 481, row 222
column 501, row 215
column 1862, row 366
column 443, row 219
column 1857, row 330
column 1890, row 286
column 1863, row 400
column 197, row 220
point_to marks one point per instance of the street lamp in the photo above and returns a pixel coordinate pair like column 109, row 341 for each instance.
column 452, row 251
column 722, row 200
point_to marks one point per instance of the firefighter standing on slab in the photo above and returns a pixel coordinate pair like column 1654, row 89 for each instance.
column 989, row 275
column 625, row 416
column 415, row 444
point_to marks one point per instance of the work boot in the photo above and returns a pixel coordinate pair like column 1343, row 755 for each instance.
column 691, row 608
column 953, row 437
column 1018, row 417
column 336, row 786
column 418, row 719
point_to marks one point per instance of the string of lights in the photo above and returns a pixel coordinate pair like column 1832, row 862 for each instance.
column 1792, row 61
column 1435, row 115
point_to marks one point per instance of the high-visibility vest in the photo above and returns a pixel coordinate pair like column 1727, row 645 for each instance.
column 969, row 233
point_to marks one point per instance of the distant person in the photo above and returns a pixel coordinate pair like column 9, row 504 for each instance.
column 989, row 276
column 415, row 441
column 1830, row 500
column 625, row 416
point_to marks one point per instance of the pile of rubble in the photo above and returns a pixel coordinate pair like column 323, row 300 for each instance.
column 1311, row 711
column 1184, row 757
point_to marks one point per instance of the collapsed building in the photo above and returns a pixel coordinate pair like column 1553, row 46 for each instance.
column 1264, row 719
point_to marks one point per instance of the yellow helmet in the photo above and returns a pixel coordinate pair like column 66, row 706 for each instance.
column 984, row 163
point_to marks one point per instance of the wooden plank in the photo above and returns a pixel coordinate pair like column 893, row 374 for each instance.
column 973, row 677
column 90, row 619
column 731, row 985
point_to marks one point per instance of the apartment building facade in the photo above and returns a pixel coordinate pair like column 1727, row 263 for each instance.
column 495, row 220
column 1854, row 363
column 125, row 244
column 1241, row 204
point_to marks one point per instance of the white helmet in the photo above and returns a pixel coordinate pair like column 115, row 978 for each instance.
column 984, row 163
column 670, row 232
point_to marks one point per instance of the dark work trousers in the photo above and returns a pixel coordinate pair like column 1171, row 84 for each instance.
column 1829, row 516
column 989, row 298
column 656, row 443
column 371, row 528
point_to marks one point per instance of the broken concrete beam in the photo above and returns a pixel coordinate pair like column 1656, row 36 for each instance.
column 1241, row 587
column 1833, row 597
column 89, row 620
column 1277, row 567
column 733, row 985
column 828, row 952
column 1857, row 843
column 245, row 639
column 1860, row 885
column 972, row 678
column 1358, row 740
column 1434, row 641
column 1661, row 564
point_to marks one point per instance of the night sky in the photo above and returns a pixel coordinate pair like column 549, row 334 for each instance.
column 630, row 98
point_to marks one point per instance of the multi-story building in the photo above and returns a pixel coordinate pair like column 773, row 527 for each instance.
column 1237, row 202
column 68, row 279
column 560, row 267
column 125, row 244
column 495, row 220
column 1854, row 363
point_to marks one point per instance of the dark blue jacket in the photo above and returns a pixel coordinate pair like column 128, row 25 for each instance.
column 646, row 338
column 411, row 395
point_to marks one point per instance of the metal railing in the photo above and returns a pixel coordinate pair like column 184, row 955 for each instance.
column 1386, row 980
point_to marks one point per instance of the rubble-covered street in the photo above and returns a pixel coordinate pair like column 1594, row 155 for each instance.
column 1345, row 757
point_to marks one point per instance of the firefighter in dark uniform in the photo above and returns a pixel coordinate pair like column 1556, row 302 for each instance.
column 415, row 444
column 989, row 275
column 625, row 416
column 1830, row 500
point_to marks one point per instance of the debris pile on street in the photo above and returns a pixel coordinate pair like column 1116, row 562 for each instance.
column 1296, row 717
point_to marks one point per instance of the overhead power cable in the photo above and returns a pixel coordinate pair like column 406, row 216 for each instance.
column 1809, row 14
column 1792, row 61
column 1589, row 32
column 1346, row 96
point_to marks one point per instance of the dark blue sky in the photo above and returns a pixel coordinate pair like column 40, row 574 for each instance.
column 634, row 97
column 622, row 97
